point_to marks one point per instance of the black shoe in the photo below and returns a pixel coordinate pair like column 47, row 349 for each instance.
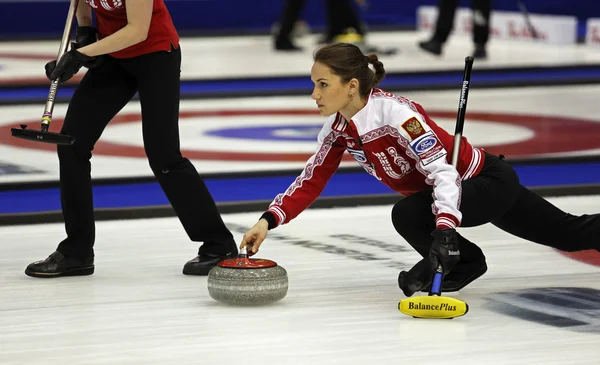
column 286, row 45
column 480, row 52
column 417, row 278
column 432, row 46
column 58, row 265
column 201, row 264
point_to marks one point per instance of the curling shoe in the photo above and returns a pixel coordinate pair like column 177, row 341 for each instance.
column 415, row 279
column 480, row 52
column 201, row 264
column 286, row 45
column 432, row 46
column 57, row 265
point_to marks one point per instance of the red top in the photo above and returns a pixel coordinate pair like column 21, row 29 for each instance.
column 111, row 16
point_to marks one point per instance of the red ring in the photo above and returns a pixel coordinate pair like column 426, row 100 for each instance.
column 552, row 135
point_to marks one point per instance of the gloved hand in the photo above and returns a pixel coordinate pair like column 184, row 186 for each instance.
column 68, row 65
column 444, row 250
column 84, row 36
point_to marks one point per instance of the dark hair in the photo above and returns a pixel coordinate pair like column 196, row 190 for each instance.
column 347, row 61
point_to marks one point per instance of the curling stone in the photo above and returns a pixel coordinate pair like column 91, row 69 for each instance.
column 247, row 281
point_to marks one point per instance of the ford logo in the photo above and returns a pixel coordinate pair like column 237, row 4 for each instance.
column 425, row 144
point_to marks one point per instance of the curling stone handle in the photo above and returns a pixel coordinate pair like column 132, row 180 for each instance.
column 243, row 253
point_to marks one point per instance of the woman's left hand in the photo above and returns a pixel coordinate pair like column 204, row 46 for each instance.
column 68, row 65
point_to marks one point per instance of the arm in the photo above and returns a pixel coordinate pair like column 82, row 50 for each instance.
column 139, row 15
column 308, row 186
column 430, row 156
column 84, row 14
column 302, row 193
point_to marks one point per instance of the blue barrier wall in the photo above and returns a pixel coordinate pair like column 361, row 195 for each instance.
column 41, row 18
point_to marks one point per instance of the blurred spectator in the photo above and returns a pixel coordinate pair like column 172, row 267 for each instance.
column 445, row 23
column 341, row 16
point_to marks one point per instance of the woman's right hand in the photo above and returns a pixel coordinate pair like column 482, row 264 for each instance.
column 255, row 236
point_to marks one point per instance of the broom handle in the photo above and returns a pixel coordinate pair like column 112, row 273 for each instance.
column 436, row 285
column 49, row 108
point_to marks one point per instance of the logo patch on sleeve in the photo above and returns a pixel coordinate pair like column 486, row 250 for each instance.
column 428, row 148
column 359, row 155
column 414, row 128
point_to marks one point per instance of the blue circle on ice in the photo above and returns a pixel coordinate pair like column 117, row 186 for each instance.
column 270, row 133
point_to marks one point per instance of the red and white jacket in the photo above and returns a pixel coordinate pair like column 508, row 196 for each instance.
column 395, row 141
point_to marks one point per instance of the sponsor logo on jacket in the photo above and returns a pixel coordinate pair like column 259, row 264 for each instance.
column 398, row 161
column 359, row 155
column 428, row 148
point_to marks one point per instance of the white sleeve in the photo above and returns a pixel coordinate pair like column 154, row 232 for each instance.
column 425, row 147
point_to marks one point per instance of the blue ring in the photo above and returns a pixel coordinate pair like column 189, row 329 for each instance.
column 268, row 133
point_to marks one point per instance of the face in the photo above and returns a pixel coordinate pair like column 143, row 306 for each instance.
column 330, row 93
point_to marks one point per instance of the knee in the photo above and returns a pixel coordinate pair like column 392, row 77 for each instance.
column 161, row 158
column 162, row 165
column 408, row 216
column 74, row 151
column 397, row 214
column 158, row 161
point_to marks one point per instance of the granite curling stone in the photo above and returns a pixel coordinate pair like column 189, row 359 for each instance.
column 247, row 281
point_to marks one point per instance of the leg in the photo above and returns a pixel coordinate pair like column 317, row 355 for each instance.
column 537, row 220
column 484, row 198
column 110, row 84
column 186, row 191
column 413, row 219
column 445, row 20
column 341, row 15
column 481, row 26
column 86, row 123
column 443, row 27
column 291, row 14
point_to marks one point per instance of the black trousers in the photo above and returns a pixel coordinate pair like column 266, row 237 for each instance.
column 495, row 196
column 481, row 20
column 102, row 93
column 340, row 15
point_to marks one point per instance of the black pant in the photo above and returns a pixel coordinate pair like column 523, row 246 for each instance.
column 496, row 196
column 340, row 15
column 481, row 20
column 102, row 93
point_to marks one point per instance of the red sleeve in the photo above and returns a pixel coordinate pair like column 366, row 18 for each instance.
column 310, row 183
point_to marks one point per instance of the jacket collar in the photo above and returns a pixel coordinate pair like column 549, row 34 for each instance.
column 340, row 124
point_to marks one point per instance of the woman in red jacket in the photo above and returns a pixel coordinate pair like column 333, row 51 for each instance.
column 396, row 142
column 136, row 50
